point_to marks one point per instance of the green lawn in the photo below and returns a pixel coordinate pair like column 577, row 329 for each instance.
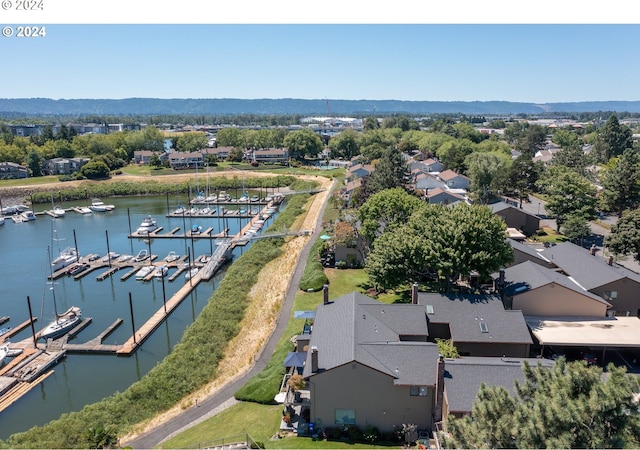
column 29, row 181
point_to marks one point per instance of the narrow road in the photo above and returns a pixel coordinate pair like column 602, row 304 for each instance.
column 224, row 397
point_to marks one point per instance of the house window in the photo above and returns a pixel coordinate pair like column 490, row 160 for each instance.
column 418, row 391
column 610, row 295
column 345, row 416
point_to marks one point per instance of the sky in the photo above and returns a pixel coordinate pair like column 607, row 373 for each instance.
column 200, row 52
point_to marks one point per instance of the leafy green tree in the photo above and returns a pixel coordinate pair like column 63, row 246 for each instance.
column 446, row 348
column 576, row 227
column 522, row 176
column 566, row 138
column 612, row 139
column 302, row 143
column 372, row 143
column 621, row 182
column 230, row 137
column 487, row 172
column 95, row 170
column 568, row 194
column 384, row 209
column 453, row 153
column 389, row 171
column 34, row 163
column 466, row 131
column 532, row 139
column 570, row 405
column 573, row 157
column 624, row 238
column 235, row 155
column 155, row 161
column 439, row 241
column 192, row 142
column 370, row 123
column 345, row 145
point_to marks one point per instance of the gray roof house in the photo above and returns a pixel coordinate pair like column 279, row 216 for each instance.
column 454, row 180
column 369, row 363
column 441, row 196
column 464, row 376
column 525, row 252
column 424, row 181
column 478, row 325
column 516, row 217
column 539, row 291
column 615, row 284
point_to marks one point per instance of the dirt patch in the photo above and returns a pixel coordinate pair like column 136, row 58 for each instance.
column 261, row 316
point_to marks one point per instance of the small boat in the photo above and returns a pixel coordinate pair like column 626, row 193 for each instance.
column 4, row 350
column 191, row 273
column 194, row 211
column 58, row 211
column 204, row 211
column 211, row 199
column 66, row 257
column 77, row 268
column 160, row 271
column 148, row 225
column 205, row 259
column 254, row 198
column 83, row 209
column 196, row 229
column 142, row 255
column 62, row 323
column 223, row 196
column 4, row 330
column 98, row 205
column 124, row 258
column 28, row 215
column 144, row 271
column 179, row 211
column 110, row 256
column 172, row 256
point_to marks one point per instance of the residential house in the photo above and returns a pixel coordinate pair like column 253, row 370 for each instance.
column 464, row 376
column 540, row 291
column 370, row 364
column 441, row 196
column 339, row 164
column 271, row 155
column 13, row 170
column 426, row 182
column 478, row 325
column 221, row 153
column 432, row 165
column 359, row 171
column 615, row 284
column 516, row 218
column 526, row 252
column 454, row 180
column 63, row 166
column 186, row 160
column 143, row 156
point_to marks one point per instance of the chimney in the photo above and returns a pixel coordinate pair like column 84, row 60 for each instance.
column 314, row 359
column 325, row 293
column 501, row 280
column 437, row 413
column 593, row 249
column 414, row 294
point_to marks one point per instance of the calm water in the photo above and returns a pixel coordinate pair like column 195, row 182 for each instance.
column 82, row 379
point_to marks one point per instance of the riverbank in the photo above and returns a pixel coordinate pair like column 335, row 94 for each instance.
column 261, row 316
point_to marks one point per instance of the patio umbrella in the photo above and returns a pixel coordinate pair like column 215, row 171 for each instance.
column 325, row 237
column 295, row 359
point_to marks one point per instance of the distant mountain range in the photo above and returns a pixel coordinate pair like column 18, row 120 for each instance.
column 233, row 106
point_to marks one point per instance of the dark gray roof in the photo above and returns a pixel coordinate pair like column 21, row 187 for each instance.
column 464, row 376
column 528, row 275
column 527, row 249
column 590, row 271
column 464, row 313
column 356, row 328
column 501, row 206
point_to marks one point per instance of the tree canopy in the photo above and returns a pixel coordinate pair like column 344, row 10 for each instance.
column 302, row 143
column 625, row 235
column 570, row 405
column 621, row 182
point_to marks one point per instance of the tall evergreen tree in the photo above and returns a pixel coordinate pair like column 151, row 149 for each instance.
column 612, row 139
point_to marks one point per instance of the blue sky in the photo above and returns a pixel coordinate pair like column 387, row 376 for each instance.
column 528, row 63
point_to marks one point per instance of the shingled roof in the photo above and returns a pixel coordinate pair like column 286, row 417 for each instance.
column 386, row 338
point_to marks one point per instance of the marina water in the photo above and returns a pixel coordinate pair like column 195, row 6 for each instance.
column 81, row 379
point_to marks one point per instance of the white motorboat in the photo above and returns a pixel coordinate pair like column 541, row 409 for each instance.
column 147, row 226
column 66, row 257
column 144, row 271
column 172, row 256
column 84, row 210
column 58, row 211
column 142, row 255
column 160, row 271
column 125, row 258
column 191, row 273
column 4, row 350
column 179, row 211
column 62, row 323
column 1, row 220
column 98, row 205
column 110, row 256
column 28, row 215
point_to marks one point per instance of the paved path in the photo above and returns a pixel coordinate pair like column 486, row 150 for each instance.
column 224, row 398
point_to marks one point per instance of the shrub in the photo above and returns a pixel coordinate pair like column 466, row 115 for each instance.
column 370, row 434
column 341, row 264
column 355, row 433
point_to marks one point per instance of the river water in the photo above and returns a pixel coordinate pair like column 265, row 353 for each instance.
column 81, row 379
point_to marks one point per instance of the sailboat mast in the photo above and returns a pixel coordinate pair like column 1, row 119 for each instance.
column 53, row 291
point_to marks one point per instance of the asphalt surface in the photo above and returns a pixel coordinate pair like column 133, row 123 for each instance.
column 207, row 407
